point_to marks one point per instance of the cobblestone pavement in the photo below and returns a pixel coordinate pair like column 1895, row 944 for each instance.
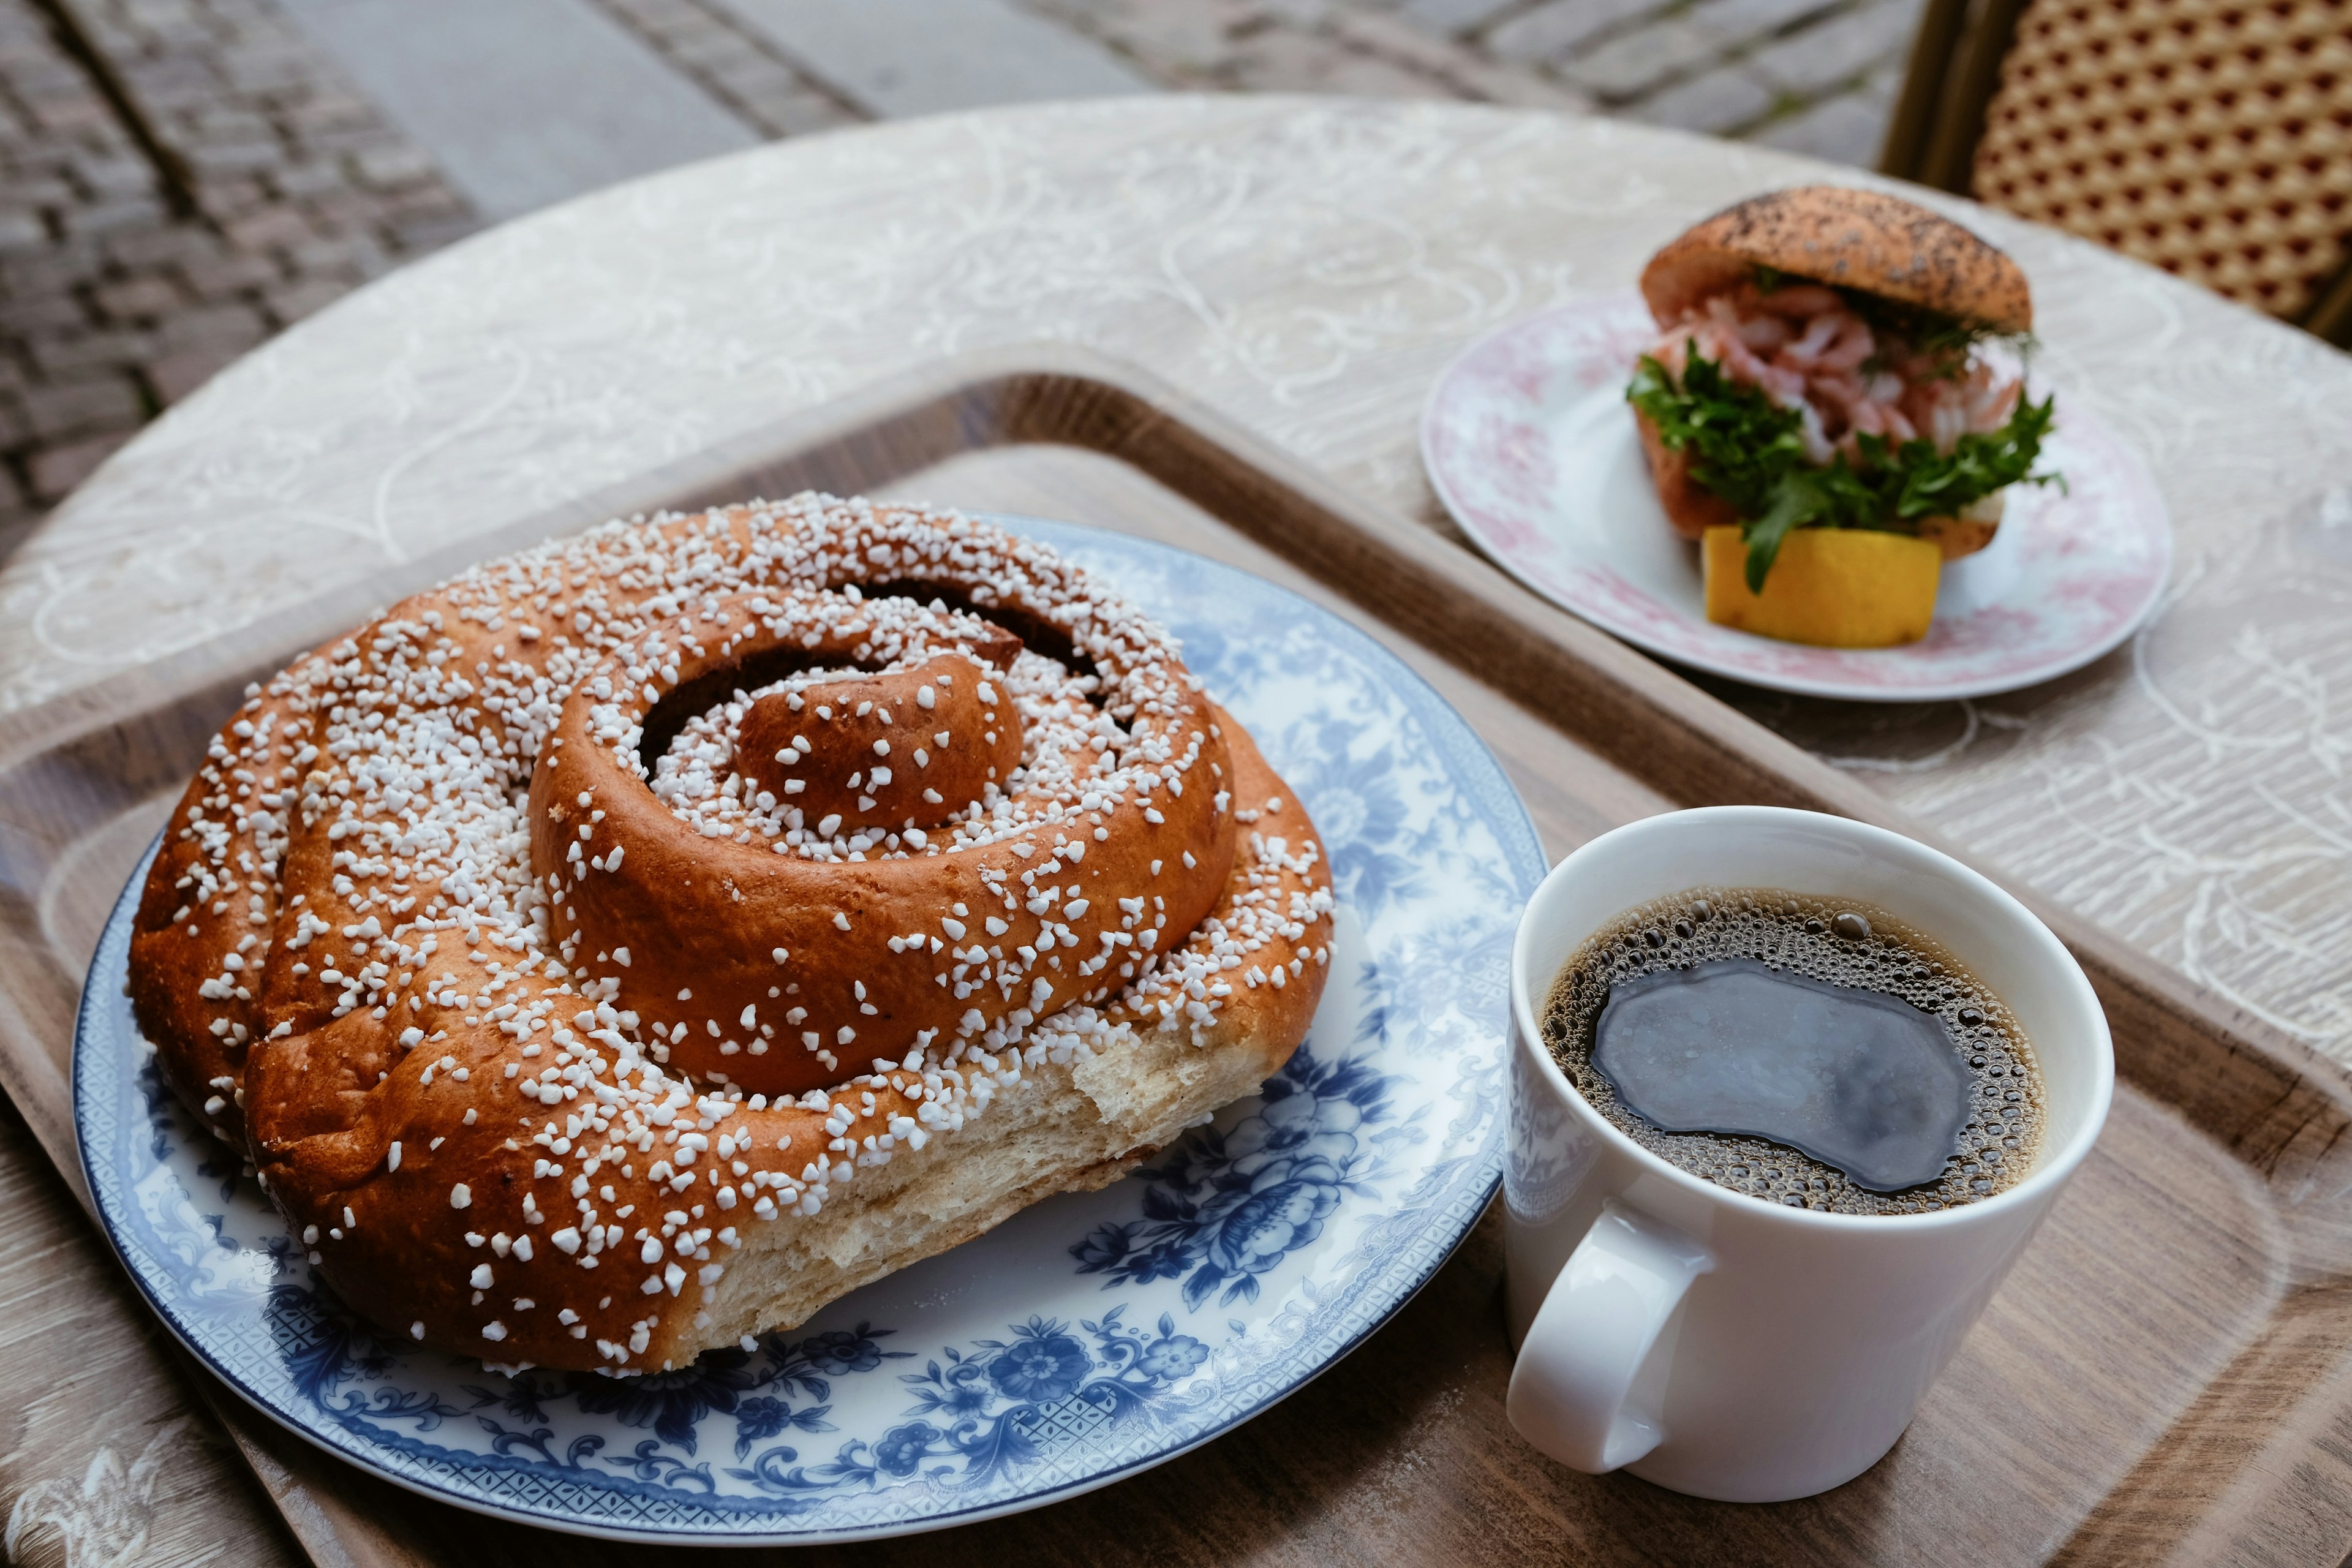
column 736, row 66
column 1814, row 76
column 178, row 180
column 181, row 178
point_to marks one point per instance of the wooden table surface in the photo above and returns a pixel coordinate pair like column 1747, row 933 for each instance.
column 1304, row 267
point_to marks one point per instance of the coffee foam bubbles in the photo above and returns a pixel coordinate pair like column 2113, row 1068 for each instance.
column 1840, row 943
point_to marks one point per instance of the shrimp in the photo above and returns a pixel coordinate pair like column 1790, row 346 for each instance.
column 1799, row 299
column 1818, row 448
column 1945, row 420
column 1805, row 349
column 1761, row 331
column 1884, row 394
column 1785, row 387
column 1672, row 351
column 1724, row 346
column 1765, row 333
column 1878, row 419
column 1838, row 397
column 1947, row 409
column 1852, row 345
column 1990, row 403
column 1819, row 333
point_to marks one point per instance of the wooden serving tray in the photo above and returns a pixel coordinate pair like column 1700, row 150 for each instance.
column 2167, row 1377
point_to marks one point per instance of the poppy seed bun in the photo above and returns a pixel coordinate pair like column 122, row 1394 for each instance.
column 1877, row 244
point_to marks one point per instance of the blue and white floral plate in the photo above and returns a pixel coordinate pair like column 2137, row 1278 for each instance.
column 1088, row 1338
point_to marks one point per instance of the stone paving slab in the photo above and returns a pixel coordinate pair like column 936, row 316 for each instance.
column 1772, row 69
column 1634, row 64
column 1836, row 128
column 736, row 66
column 1552, row 33
column 1725, row 98
column 1841, row 50
column 1739, row 66
column 1303, row 45
column 897, row 57
column 521, row 102
column 1737, row 22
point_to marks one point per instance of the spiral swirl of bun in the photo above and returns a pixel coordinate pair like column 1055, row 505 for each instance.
column 633, row 944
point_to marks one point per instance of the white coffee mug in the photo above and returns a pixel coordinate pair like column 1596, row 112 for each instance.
column 1711, row 1342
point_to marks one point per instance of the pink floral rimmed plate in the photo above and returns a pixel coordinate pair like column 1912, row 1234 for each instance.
column 1529, row 444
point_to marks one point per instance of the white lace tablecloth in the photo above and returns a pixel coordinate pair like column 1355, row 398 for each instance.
column 1306, row 267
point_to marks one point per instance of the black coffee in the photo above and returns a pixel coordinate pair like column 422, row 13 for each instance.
column 1817, row 1053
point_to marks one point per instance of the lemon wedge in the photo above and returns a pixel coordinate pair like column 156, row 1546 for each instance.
column 1831, row 587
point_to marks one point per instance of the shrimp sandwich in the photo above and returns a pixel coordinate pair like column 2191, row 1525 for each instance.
column 1834, row 406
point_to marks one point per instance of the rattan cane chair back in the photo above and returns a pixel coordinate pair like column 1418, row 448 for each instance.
column 2212, row 137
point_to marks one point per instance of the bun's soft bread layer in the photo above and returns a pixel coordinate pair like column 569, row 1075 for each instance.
column 1849, row 239
column 1070, row 1124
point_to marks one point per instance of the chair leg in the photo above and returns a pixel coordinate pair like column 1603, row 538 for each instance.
column 1927, row 78
column 1949, row 160
column 2331, row 316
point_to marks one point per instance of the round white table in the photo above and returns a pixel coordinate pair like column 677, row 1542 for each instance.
column 1303, row 267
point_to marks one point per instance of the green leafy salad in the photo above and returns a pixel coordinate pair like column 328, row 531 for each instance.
column 1748, row 449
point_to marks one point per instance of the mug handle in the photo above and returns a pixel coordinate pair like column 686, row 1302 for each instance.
column 1571, row 1391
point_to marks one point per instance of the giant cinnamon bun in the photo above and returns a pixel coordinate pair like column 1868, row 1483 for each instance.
column 630, row 946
